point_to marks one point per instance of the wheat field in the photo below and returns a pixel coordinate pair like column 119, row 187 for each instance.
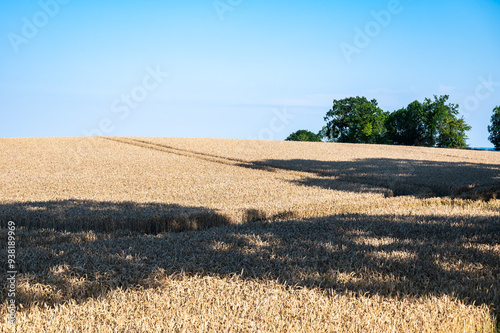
column 137, row 234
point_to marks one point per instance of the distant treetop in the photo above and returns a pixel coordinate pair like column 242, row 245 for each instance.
column 304, row 135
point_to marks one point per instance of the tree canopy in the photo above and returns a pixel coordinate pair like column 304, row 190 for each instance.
column 407, row 126
column 494, row 128
column 356, row 120
column 304, row 135
column 444, row 129
column 431, row 123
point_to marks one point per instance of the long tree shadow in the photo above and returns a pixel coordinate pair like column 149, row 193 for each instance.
column 382, row 175
column 388, row 255
column 400, row 176
column 109, row 217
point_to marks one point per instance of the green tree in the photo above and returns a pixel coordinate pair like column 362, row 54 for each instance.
column 434, row 113
column 444, row 129
column 451, row 132
column 304, row 135
column 431, row 123
column 406, row 126
column 356, row 120
column 494, row 128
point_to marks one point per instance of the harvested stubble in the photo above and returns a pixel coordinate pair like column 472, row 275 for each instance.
column 341, row 255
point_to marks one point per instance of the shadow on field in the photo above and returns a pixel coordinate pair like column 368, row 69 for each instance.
column 400, row 176
column 109, row 217
column 393, row 177
column 388, row 255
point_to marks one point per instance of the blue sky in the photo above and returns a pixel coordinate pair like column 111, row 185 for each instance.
column 237, row 68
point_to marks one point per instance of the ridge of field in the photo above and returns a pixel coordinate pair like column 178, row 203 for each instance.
column 270, row 236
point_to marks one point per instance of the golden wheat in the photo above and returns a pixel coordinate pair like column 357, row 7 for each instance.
column 169, row 234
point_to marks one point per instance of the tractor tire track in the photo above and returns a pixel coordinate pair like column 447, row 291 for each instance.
column 209, row 157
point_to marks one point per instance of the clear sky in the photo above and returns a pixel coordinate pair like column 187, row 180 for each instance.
column 237, row 68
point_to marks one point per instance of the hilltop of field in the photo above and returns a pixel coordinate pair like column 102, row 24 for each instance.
column 173, row 234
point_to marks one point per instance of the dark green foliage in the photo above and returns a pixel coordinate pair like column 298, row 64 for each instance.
column 406, row 126
column 444, row 129
column 356, row 120
column 304, row 135
column 431, row 123
column 452, row 132
column 494, row 128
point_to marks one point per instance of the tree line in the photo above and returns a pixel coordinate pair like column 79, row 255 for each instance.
column 431, row 123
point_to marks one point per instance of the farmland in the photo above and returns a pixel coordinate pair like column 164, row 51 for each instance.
column 177, row 234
